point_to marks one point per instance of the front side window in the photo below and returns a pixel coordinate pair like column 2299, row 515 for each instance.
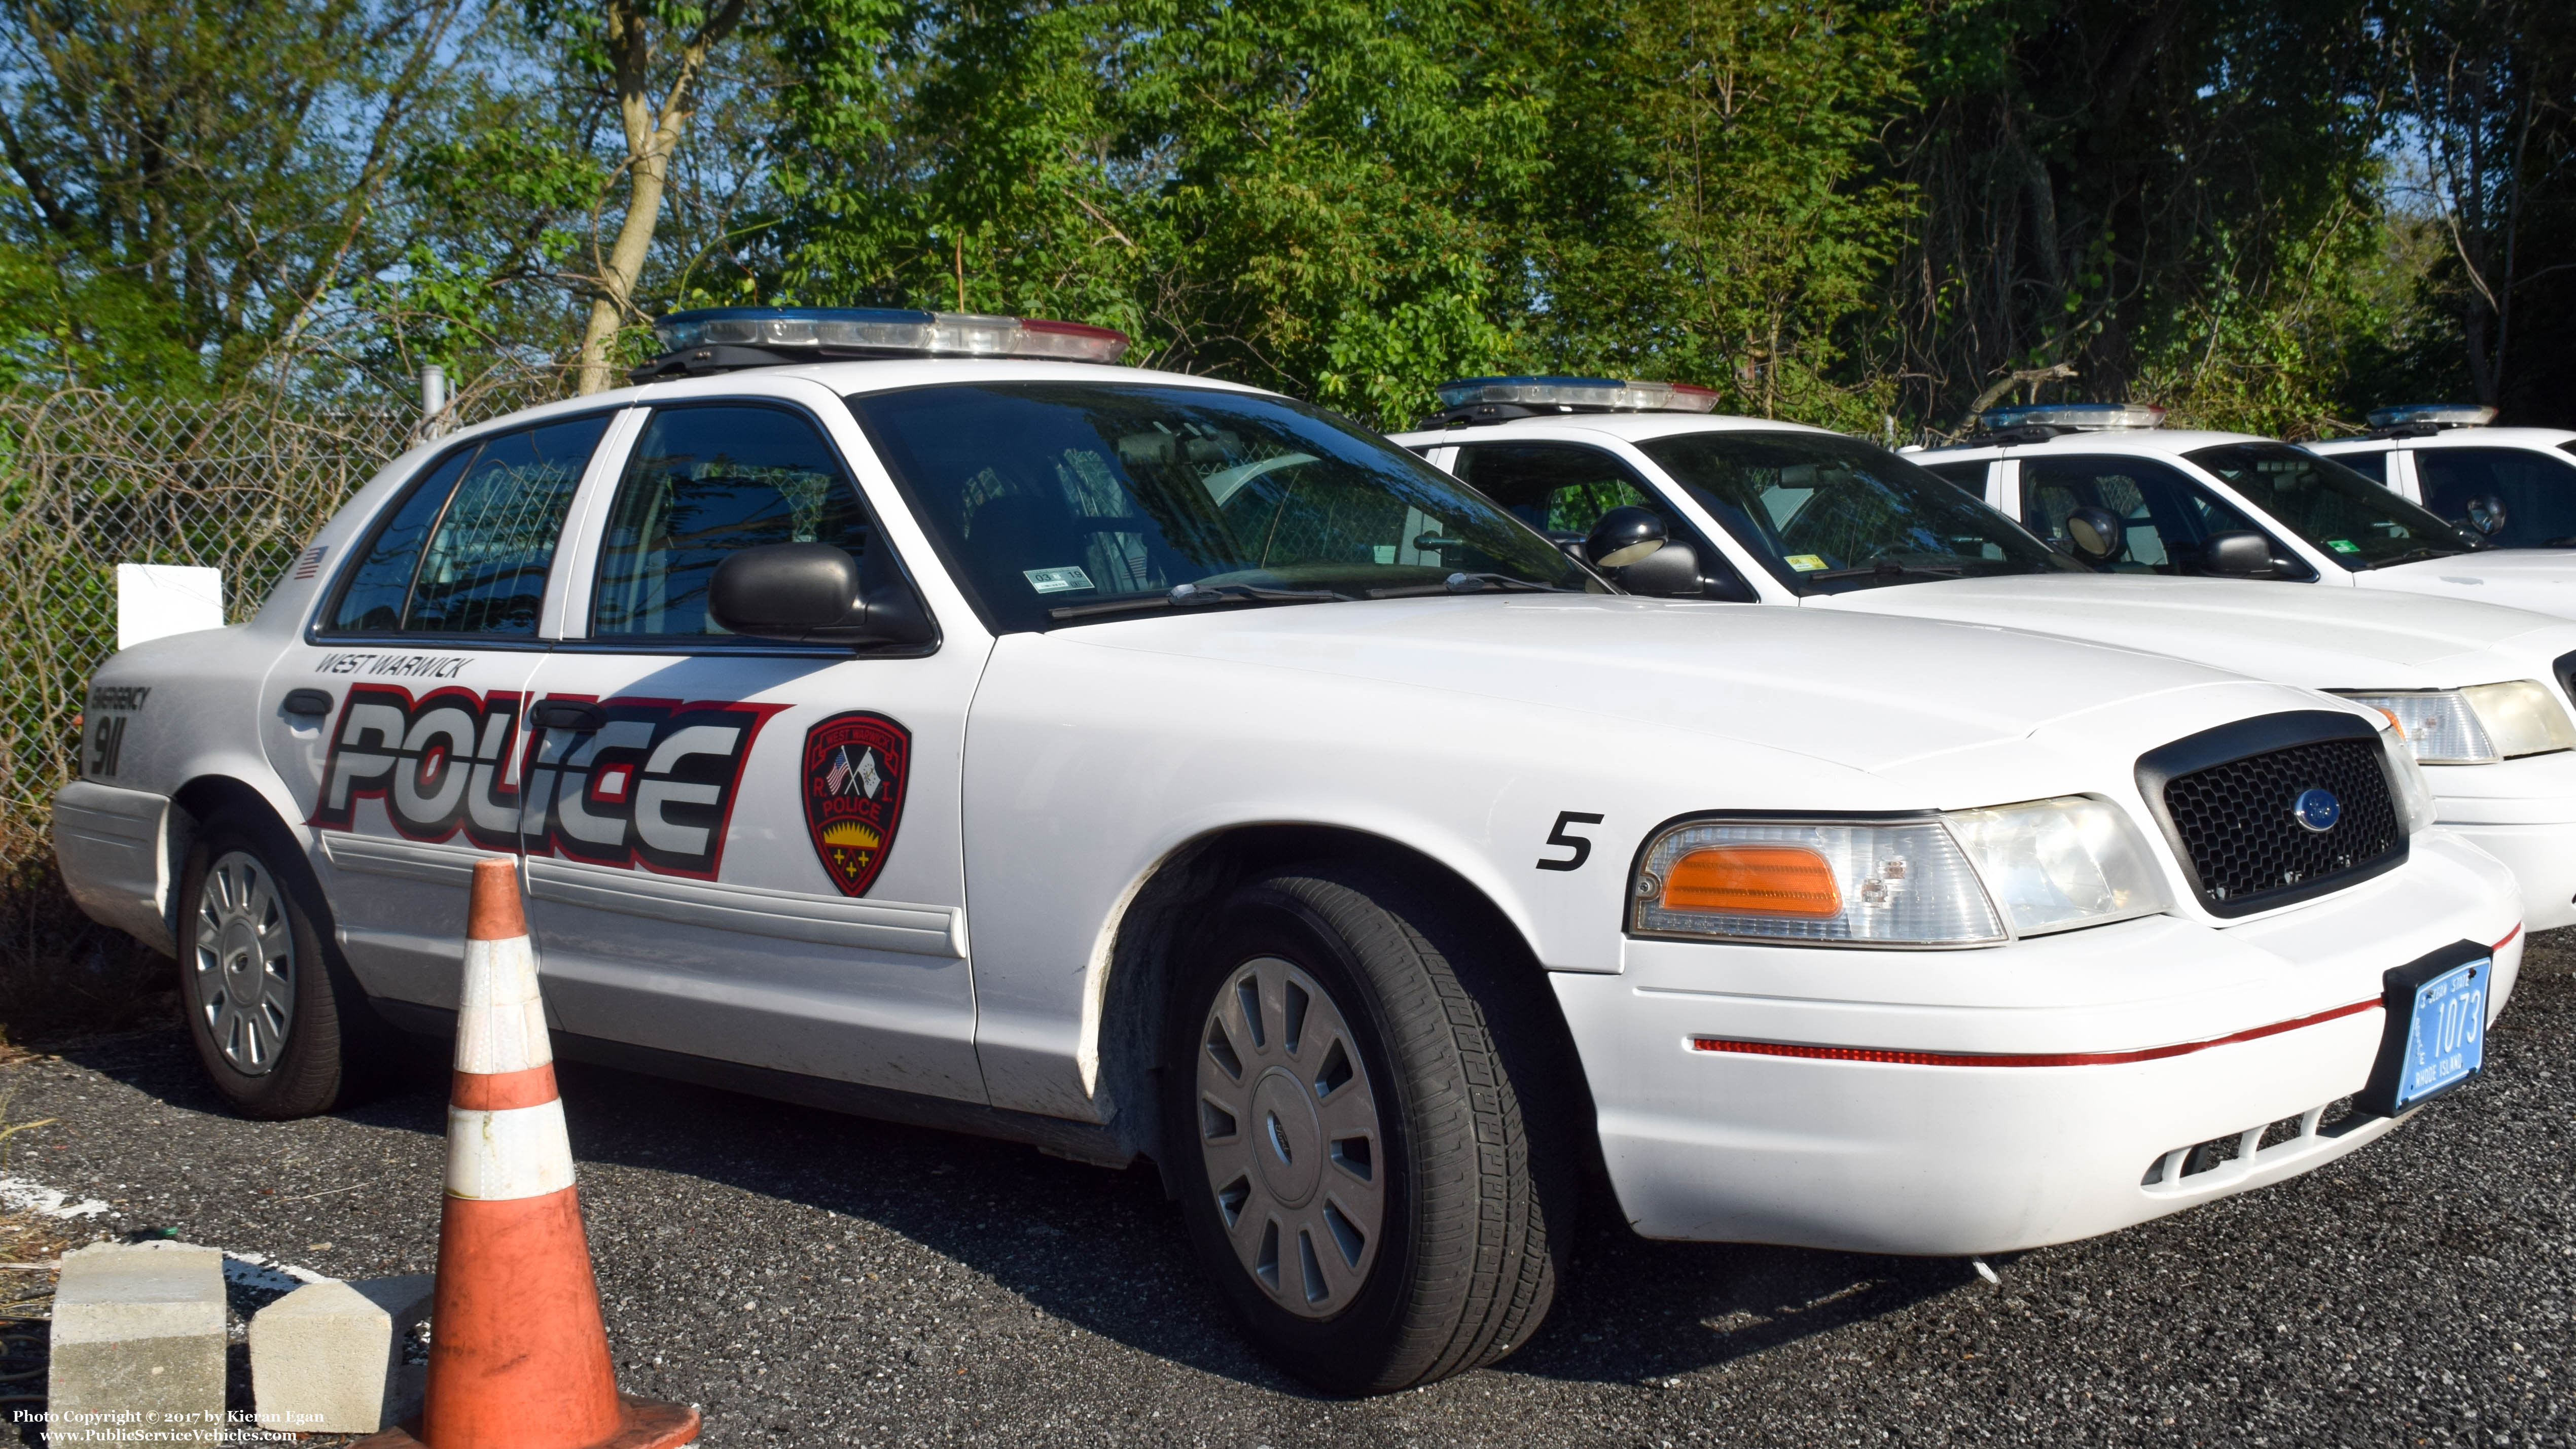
column 2533, row 494
column 2165, row 516
column 467, row 550
column 702, row 483
column 2355, row 521
column 1831, row 514
column 1046, row 498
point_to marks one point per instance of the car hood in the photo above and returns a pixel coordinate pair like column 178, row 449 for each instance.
column 2321, row 637
column 2542, row 580
column 1866, row 692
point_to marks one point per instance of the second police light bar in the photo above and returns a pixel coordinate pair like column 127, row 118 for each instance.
column 2439, row 415
column 1610, row 394
column 2075, row 417
column 887, row 331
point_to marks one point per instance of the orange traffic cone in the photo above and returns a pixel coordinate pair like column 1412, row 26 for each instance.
column 518, row 1354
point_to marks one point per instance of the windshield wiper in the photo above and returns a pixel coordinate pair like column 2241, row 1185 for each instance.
column 1199, row 596
column 1468, row 584
column 2417, row 555
column 1884, row 569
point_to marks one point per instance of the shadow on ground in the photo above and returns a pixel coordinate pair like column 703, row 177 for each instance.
column 1097, row 1249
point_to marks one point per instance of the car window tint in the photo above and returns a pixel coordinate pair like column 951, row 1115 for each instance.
column 1044, row 495
column 702, row 483
column 372, row 599
column 2359, row 524
column 2371, row 465
column 1557, row 488
column 2167, row 516
column 1971, row 476
column 485, row 569
column 1828, row 514
column 2534, row 493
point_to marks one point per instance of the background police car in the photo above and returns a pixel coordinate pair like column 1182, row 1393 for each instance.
column 2482, row 691
column 2517, row 486
column 1131, row 762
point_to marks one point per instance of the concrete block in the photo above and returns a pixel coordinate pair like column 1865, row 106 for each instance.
column 138, row 1347
column 327, row 1358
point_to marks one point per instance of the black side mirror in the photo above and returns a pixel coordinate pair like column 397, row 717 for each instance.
column 2096, row 535
column 1670, row 572
column 810, row 593
column 2237, row 554
column 1623, row 536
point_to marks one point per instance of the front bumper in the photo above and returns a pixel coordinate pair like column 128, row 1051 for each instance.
column 2522, row 812
column 1891, row 1157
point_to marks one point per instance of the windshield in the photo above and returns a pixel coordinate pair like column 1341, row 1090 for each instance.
column 2359, row 524
column 1058, row 501
column 1830, row 514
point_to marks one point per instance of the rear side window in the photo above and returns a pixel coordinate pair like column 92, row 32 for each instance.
column 1971, row 476
column 466, row 552
column 1556, row 488
column 703, row 483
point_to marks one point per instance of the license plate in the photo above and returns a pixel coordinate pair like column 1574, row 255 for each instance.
column 2446, row 1033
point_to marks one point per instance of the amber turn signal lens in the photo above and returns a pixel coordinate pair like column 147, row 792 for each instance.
column 1753, row 880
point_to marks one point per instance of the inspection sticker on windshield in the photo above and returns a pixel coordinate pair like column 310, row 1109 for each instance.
column 1805, row 563
column 1056, row 581
column 2343, row 545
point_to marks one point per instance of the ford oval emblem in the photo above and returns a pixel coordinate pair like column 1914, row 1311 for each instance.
column 2317, row 810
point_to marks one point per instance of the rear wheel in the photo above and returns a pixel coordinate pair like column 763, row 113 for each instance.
column 266, row 1006
column 1363, row 1108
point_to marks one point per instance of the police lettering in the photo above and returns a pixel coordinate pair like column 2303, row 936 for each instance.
column 652, row 785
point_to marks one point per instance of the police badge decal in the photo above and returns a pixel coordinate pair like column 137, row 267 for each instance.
column 856, row 765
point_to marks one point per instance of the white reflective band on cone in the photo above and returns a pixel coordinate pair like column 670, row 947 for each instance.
column 520, row 1152
column 500, row 1016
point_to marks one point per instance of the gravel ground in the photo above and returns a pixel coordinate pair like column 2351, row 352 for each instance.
column 811, row 1279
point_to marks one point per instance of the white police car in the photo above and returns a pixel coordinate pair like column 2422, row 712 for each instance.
column 2516, row 486
column 1127, row 762
column 1784, row 514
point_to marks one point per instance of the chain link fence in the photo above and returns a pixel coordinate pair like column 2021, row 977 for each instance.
column 90, row 480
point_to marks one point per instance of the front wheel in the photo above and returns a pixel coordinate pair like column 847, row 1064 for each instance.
column 253, row 978
column 1360, row 1104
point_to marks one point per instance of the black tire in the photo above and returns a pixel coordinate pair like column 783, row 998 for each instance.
column 1464, row 1060
column 318, row 1060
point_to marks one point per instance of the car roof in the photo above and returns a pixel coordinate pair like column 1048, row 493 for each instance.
column 1631, row 427
column 2545, row 439
column 849, row 379
column 2150, row 442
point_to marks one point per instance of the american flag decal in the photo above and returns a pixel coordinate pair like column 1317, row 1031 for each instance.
column 310, row 564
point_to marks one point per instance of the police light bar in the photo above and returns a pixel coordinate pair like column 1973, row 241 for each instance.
column 886, row 332
column 2073, row 417
column 1609, row 394
column 2436, row 415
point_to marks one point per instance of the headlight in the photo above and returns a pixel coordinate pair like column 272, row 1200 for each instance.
column 2050, row 865
column 1849, row 883
column 2414, row 793
column 2521, row 718
column 2479, row 725
column 2057, row 864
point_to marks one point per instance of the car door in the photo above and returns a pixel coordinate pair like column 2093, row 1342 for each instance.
column 1562, row 489
column 739, row 849
column 396, row 719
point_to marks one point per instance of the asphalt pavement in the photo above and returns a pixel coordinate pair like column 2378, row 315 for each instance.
column 810, row 1279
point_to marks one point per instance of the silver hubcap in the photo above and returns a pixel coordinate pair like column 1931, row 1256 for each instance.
column 245, row 963
column 1288, row 1128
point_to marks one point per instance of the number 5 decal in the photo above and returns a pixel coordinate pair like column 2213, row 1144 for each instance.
column 1581, row 847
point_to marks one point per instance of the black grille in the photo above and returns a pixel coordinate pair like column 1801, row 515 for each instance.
column 2235, row 821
